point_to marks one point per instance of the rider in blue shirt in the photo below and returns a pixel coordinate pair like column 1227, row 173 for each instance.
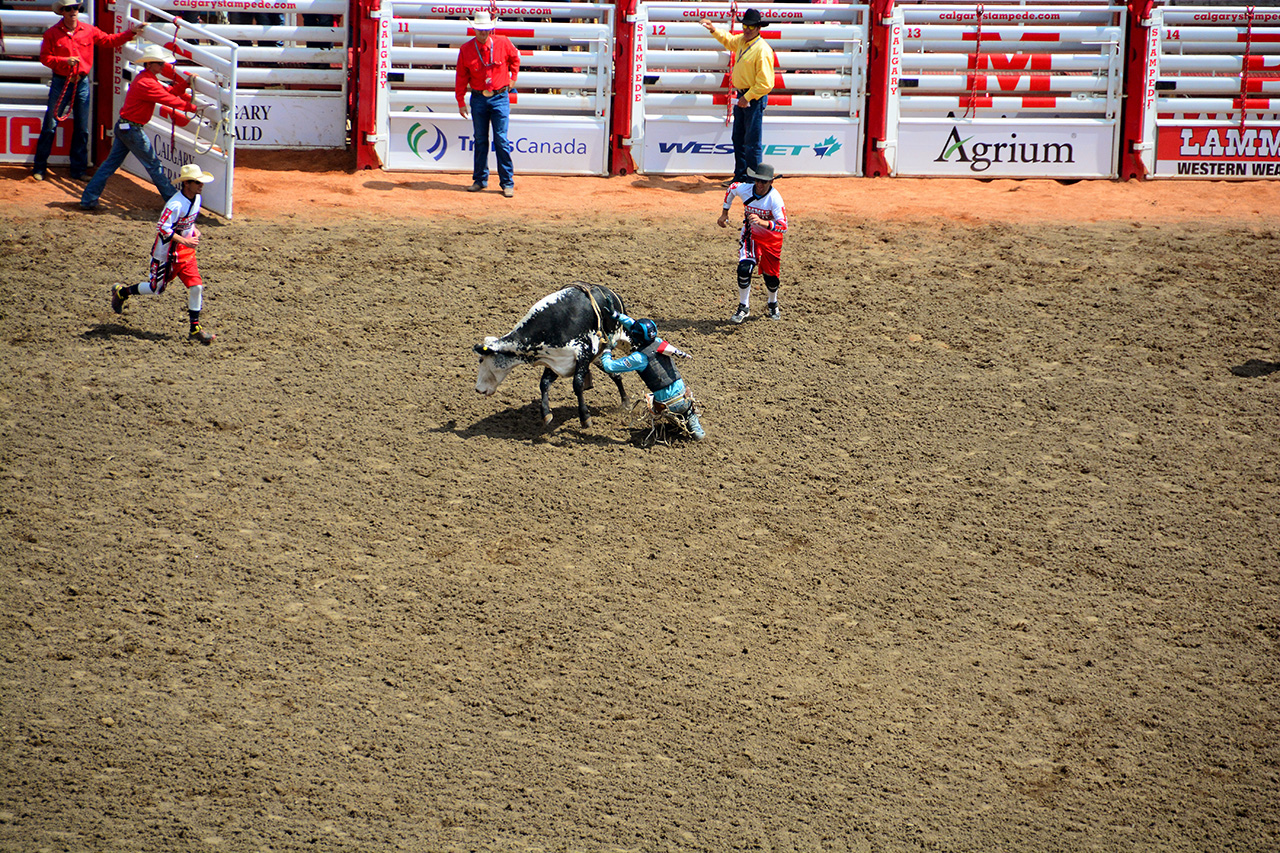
column 652, row 357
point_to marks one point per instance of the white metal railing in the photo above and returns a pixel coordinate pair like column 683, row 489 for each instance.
column 1215, row 76
column 207, row 137
column 1013, row 90
column 292, row 75
column 814, row 116
column 561, row 107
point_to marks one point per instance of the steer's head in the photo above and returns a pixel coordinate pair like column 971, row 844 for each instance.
column 495, row 364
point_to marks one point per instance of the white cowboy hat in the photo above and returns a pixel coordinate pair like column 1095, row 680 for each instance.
column 59, row 5
column 192, row 172
column 155, row 53
column 482, row 21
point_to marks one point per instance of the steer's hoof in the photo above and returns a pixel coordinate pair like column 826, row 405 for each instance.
column 546, row 420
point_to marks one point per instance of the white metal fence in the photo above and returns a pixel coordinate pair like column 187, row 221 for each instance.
column 293, row 72
column 1213, row 83
column 1005, row 90
column 559, row 115
column 206, row 137
column 814, row 119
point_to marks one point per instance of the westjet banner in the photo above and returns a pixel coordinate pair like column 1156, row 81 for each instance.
column 438, row 142
column 701, row 145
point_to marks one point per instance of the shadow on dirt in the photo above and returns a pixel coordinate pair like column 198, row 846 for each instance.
column 421, row 186
column 525, row 424
column 679, row 185
column 1255, row 367
column 116, row 330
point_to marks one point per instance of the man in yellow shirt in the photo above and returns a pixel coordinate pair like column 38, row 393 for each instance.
column 752, row 82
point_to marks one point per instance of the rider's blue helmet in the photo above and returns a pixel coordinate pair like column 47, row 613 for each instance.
column 643, row 333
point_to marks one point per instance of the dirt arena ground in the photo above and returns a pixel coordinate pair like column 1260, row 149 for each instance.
column 982, row 552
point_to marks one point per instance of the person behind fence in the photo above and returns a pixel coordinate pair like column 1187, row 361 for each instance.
column 173, row 254
column 145, row 93
column 764, row 225
column 752, row 81
column 653, row 358
column 488, row 64
column 67, row 50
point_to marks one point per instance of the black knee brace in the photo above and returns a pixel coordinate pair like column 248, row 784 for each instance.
column 772, row 283
column 745, row 269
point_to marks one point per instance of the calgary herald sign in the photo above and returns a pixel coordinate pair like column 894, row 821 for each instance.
column 1218, row 152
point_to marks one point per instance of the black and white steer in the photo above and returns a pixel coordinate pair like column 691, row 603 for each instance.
column 562, row 332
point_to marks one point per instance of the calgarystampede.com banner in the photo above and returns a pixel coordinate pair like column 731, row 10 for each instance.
column 216, row 5
column 1235, row 17
column 1000, row 16
column 503, row 9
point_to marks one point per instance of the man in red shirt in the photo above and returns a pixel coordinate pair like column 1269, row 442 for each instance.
column 488, row 64
column 67, row 50
column 140, row 101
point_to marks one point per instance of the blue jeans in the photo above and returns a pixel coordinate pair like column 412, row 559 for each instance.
column 133, row 139
column 494, row 111
column 79, row 126
column 748, row 137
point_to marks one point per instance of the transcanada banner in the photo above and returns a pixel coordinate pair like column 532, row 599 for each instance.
column 438, row 142
column 1006, row 149
column 1218, row 152
column 700, row 145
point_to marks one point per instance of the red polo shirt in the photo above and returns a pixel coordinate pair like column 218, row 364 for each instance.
column 489, row 67
column 60, row 45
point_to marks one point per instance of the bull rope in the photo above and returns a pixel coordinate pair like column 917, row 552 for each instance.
column 66, row 105
column 1244, row 65
column 971, row 106
column 586, row 288
column 731, row 100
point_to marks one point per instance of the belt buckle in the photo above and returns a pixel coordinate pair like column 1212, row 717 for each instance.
column 488, row 93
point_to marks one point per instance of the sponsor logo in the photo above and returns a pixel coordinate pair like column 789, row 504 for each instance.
column 982, row 155
column 1248, row 143
column 826, row 147
column 419, row 133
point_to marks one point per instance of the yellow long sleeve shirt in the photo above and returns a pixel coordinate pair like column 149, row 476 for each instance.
column 752, row 65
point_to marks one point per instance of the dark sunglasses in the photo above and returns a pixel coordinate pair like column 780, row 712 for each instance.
column 72, row 9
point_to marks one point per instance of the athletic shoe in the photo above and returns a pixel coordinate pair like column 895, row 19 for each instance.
column 509, row 192
column 118, row 296
column 475, row 188
column 199, row 335
column 773, row 312
column 741, row 314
